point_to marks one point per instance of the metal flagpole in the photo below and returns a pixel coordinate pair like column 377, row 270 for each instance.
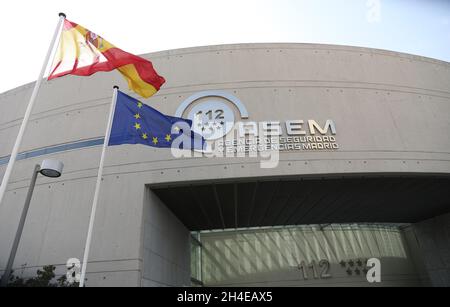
column 97, row 186
column 23, row 127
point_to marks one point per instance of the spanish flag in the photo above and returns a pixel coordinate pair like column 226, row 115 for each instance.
column 83, row 53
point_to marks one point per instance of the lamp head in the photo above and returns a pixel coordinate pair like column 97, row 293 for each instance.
column 51, row 168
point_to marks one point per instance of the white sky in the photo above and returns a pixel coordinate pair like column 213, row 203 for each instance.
column 141, row 26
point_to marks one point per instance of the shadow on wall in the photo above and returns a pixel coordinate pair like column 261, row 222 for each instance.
column 306, row 255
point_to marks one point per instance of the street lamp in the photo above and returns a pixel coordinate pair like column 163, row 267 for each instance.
column 49, row 168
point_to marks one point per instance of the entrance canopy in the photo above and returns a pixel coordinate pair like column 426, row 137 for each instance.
column 279, row 202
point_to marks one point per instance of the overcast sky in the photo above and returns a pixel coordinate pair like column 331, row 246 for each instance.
column 140, row 26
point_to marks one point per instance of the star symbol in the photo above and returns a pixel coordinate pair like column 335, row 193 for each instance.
column 358, row 272
column 137, row 116
column 359, row 262
column 144, row 136
column 365, row 271
column 342, row 263
column 137, row 126
column 140, row 105
column 168, row 138
column 155, row 140
column 351, row 263
column 176, row 129
column 349, row 272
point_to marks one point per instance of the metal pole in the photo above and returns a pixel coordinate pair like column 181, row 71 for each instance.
column 97, row 186
column 12, row 255
column 13, row 157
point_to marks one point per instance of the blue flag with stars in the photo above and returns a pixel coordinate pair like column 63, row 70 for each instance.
column 137, row 123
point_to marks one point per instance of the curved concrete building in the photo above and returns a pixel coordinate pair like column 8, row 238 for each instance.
column 362, row 171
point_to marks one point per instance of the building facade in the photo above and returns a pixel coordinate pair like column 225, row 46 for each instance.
column 361, row 151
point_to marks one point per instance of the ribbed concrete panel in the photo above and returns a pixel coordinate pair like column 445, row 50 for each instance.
column 307, row 201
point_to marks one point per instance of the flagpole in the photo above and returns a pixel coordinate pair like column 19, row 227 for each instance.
column 26, row 117
column 97, row 186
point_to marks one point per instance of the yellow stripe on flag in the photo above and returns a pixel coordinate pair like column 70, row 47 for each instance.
column 83, row 53
column 135, row 82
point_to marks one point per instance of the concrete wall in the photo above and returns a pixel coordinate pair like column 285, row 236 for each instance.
column 167, row 250
column 57, row 223
column 391, row 109
column 431, row 239
column 391, row 112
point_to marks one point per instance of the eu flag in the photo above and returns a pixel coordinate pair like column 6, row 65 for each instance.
column 137, row 123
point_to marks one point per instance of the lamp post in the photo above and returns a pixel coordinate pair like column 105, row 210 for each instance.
column 49, row 168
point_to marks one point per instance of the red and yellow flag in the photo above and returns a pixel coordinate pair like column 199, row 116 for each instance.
column 83, row 53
